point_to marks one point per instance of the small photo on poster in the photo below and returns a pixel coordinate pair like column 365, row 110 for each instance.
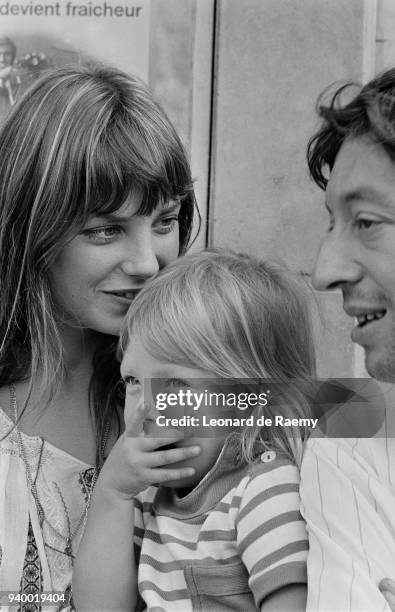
column 35, row 36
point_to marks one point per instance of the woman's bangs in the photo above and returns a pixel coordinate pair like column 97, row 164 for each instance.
column 129, row 168
column 107, row 183
column 162, row 176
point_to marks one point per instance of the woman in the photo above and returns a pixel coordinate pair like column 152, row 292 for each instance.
column 95, row 196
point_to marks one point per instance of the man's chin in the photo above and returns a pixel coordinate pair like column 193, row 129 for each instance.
column 380, row 369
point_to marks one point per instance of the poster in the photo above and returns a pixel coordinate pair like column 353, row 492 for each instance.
column 37, row 35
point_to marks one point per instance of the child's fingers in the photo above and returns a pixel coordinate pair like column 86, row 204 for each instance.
column 158, row 458
column 135, row 414
column 159, row 476
column 152, row 443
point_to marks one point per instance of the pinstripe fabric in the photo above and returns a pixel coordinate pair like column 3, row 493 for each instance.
column 348, row 501
column 237, row 537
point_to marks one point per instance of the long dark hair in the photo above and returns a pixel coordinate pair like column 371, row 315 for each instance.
column 79, row 142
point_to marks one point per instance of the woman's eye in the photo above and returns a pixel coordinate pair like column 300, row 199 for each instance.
column 102, row 235
column 167, row 224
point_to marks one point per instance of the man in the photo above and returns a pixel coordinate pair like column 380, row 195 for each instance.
column 348, row 485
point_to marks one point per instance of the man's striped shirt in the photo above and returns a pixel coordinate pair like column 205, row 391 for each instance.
column 348, row 500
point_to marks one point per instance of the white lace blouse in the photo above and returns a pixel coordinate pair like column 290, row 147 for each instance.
column 32, row 558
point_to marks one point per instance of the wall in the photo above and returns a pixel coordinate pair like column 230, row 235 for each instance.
column 180, row 73
column 273, row 59
column 247, row 137
column 385, row 39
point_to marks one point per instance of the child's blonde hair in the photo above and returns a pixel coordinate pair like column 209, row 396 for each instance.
column 237, row 318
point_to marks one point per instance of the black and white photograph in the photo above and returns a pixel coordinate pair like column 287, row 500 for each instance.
column 197, row 305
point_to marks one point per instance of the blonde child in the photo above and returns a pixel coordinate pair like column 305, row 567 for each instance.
column 220, row 529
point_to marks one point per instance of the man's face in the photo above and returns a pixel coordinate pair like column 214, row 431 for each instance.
column 358, row 253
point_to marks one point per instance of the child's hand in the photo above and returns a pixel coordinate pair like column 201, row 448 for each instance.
column 136, row 460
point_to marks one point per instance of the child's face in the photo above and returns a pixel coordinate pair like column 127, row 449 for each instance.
column 137, row 368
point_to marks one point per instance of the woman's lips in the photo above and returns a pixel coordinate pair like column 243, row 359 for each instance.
column 125, row 296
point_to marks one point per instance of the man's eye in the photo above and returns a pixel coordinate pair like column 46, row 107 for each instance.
column 365, row 223
column 102, row 235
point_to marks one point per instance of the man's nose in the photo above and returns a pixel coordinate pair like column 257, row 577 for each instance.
column 140, row 258
column 336, row 264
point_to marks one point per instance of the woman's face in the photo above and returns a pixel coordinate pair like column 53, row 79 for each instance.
column 97, row 274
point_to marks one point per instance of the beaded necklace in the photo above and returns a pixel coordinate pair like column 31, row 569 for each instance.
column 31, row 482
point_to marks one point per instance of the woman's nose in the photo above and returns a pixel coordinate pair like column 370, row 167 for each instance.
column 140, row 258
column 336, row 264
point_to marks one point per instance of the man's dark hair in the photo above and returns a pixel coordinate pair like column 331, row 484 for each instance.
column 371, row 112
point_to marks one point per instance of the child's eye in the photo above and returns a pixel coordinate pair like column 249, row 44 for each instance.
column 131, row 381
column 177, row 383
column 102, row 235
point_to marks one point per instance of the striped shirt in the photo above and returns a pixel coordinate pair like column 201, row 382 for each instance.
column 235, row 539
column 348, row 501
